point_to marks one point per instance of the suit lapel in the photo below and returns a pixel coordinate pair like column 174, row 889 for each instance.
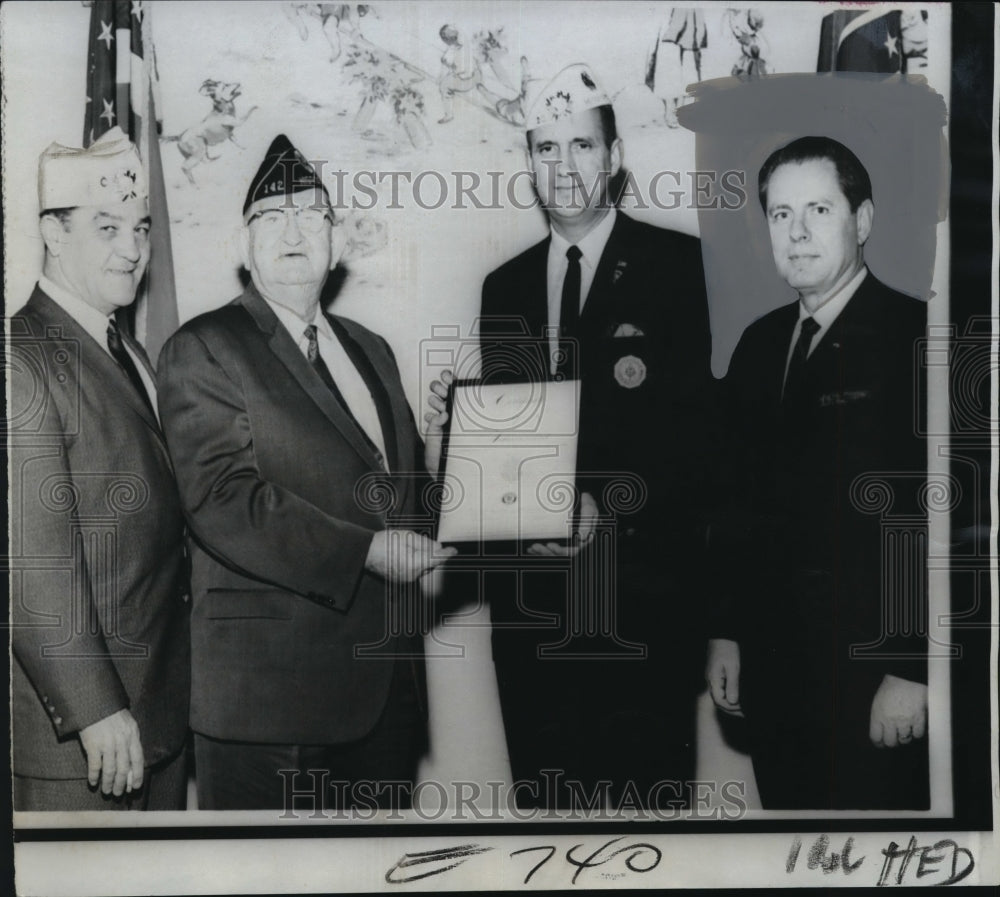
column 283, row 347
column 861, row 321
column 535, row 305
column 140, row 353
column 96, row 359
column 861, row 316
column 612, row 259
column 775, row 354
column 375, row 379
column 532, row 304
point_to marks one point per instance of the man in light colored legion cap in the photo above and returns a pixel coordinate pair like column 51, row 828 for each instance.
column 620, row 306
column 100, row 672
column 288, row 427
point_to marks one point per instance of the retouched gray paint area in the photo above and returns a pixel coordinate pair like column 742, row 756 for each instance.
column 894, row 124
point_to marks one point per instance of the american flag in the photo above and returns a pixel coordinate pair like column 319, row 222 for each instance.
column 859, row 40
column 121, row 90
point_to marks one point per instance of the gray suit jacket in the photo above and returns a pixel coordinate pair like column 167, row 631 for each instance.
column 98, row 584
column 293, row 640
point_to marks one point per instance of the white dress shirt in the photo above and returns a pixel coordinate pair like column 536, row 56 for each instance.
column 96, row 323
column 591, row 248
column 825, row 315
column 347, row 377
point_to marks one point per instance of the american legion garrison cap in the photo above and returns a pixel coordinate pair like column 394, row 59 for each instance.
column 283, row 172
column 105, row 173
column 573, row 90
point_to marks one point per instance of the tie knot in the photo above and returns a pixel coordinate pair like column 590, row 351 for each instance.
column 310, row 332
column 574, row 254
column 809, row 327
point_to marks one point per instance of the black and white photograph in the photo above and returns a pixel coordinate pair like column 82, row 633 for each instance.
column 514, row 445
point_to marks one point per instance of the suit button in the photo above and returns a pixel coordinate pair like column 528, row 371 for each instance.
column 630, row 531
column 185, row 598
column 57, row 720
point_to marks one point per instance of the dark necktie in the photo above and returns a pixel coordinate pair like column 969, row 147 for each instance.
column 796, row 366
column 316, row 360
column 120, row 354
column 569, row 314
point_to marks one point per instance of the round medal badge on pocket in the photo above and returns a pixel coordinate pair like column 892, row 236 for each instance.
column 630, row 371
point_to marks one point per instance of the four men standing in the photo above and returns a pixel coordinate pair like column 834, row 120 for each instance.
column 301, row 474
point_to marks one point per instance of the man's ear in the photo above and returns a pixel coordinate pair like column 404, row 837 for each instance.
column 245, row 246
column 53, row 234
column 338, row 243
column 617, row 156
column 864, row 215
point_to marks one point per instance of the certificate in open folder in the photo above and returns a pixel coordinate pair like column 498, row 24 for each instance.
column 508, row 463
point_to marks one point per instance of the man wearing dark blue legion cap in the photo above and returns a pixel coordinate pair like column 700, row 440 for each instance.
column 287, row 427
column 284, row 171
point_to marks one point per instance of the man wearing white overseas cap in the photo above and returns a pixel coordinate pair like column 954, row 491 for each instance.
column 621, row 306
column 100, row 675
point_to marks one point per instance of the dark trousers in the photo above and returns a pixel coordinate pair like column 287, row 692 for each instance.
column 577, row 736
column 817, row 769
column 810, row 744
column 375, row 771
column 610, row 729
column 808, row 705
column 164, row 788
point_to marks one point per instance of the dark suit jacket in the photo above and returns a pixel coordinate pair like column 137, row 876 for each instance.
column 645, row 403
column 283, row 496
column 100, row 620
column 820, row 485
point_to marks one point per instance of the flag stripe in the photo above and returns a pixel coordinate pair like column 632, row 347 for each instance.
column 120, row 91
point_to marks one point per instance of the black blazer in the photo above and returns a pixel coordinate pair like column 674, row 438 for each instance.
column 283, row 495
column 646, row 398
column 813, row 487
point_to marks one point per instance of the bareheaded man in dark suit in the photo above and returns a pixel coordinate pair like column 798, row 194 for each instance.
column 820, row 627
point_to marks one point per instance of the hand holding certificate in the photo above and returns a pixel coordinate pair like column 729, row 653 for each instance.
column 508, row 461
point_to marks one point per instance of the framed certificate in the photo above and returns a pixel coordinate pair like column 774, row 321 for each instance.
column 509, row 461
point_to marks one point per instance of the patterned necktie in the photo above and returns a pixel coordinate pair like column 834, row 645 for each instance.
column 120, row 354
column 316, row 360
column 800, row 354
column 569, row 314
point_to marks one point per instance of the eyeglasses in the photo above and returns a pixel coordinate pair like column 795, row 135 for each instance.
column 309, row 221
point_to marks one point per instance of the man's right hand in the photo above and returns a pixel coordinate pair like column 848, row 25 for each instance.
column 723, row 674
column 114, row 753
column 401, row 555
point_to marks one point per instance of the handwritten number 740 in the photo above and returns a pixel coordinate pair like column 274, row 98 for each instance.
column 633, row 861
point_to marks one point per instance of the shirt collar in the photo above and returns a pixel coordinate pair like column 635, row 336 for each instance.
column 827, row 313
column 94, row 322
column 295, row 325
column 592, row 245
